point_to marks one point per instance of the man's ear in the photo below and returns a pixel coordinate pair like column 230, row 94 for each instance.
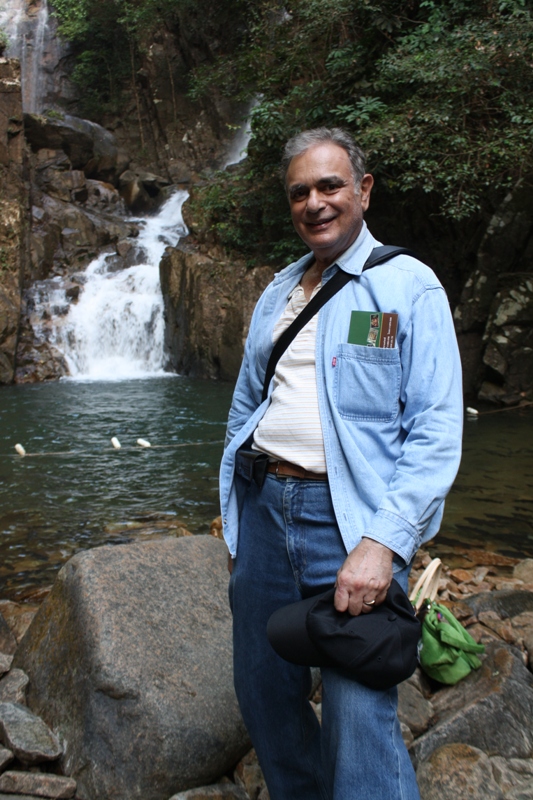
column 367, row 183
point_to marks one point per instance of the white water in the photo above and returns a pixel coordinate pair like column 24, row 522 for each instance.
column 115, row 330
column 239, row 146
column 34, row 41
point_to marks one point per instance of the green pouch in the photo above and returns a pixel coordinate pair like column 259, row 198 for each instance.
column 447, row 652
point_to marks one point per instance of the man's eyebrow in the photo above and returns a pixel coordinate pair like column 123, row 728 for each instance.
column 330, row 179
column 327, row 179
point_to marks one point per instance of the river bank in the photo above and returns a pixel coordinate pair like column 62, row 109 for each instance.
column 457, row 736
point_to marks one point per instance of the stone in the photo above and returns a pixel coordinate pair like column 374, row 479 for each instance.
column 13, row 687
column 490, row 709
column 413, row 708
column 524, row 570
column 88, row 146
column 512, row 774
column 208, row 307
column 5, row 663
column 130, row 661
column 506, row 603
column 27, row 735
column 8, row 643
column 19, row 617
column 6, row 757
column 221, row 791
column 249, row 775
column 523, row 792
column 56, row 787
column 457, row 772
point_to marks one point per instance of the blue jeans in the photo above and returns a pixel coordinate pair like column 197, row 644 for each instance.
column 290, row 548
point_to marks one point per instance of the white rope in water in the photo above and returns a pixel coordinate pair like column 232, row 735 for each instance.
column 141, row 444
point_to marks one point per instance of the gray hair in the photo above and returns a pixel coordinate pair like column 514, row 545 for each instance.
column 306, row 139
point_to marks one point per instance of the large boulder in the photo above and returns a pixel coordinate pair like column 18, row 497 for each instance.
column 129, row 660
column 491, row 709
column 88, row 146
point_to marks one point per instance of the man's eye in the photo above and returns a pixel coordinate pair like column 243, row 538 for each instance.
column 298, row 194
column 331, row 187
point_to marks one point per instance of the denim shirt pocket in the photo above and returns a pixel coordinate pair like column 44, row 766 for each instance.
column 367, row 383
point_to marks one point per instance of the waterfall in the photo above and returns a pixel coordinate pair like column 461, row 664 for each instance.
column 34, row 42
column 115, row 330
column 239, row 145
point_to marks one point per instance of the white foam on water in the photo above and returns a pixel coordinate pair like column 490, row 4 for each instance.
column 115, row 331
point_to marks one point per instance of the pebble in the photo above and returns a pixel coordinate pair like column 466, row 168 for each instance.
column 27, row 735
column 55, row 787
column 13, row 687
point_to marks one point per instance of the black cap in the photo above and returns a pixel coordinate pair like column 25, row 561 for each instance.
column 378, row 649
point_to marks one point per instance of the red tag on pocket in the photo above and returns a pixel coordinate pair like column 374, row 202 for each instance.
column 334, row 362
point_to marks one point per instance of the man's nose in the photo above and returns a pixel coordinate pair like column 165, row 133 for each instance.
column 315, row 201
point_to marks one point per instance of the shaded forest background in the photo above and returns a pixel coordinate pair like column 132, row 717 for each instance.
column 437, row 93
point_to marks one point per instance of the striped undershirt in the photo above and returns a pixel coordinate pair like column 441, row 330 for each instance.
column 291, row 429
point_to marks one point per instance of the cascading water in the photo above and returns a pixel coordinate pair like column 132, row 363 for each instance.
column 238, row 149
column 32, row 37
column 115, row 331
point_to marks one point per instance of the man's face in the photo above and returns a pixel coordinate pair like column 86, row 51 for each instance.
column 326, row 209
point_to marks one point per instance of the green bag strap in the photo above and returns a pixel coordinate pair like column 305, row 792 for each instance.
column 452, row 632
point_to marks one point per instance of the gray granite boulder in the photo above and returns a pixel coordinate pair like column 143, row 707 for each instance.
column 129, row 660
column 491, row 709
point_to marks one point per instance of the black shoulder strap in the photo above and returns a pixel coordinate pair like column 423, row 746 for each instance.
column 378, row 256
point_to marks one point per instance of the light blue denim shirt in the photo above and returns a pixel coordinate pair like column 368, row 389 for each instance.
column 391, row 417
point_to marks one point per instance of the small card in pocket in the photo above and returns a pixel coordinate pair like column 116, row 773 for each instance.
column 373, row 328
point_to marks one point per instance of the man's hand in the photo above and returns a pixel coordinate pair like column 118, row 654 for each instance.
column 365, row 576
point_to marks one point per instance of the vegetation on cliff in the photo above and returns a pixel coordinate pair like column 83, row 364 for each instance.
column 437, row 92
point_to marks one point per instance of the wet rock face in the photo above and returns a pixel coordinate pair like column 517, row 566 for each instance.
column 13, row 200
column 509, row 342
column 136, row 680
column 494, row 316
column 208, row 307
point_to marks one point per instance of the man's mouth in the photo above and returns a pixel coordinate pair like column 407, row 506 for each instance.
column 319, row 223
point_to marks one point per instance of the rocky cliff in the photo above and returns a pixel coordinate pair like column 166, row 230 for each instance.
column 13, row 208
column 208, row 304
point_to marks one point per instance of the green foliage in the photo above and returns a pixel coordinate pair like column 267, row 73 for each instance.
column 109, row 38
column 437, row 92
column 4, row 41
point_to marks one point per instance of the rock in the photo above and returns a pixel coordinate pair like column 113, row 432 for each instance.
column 88, row 146
column 208, row 307
column 490, row 709
column 249, row 775
column 513, row 775
column 6, row 757
column 457, row 772
column 524, row 570
column 38, row 784
column 13, row 687
column 130, row 660
column 16, row 796
column 505, row 603
column 27, row 735
column 5, row 663
column 413, row 709
column 221, row 791
column 215, row 529
column 18, row 616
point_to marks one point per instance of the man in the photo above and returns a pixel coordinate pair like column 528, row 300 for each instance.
column 364, row 443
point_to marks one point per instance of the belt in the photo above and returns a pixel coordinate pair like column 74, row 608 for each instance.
column 285, row 469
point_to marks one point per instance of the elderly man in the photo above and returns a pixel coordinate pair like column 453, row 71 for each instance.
column 362, row 444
